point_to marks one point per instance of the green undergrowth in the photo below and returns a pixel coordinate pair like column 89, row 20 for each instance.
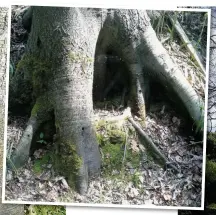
column 38, row 166
column 211, row 173
column 44, row 210
column 212, row 206
column 63, row 156
column 211, row 170
column 211, row 158
column 212, row 139
column 118, row 160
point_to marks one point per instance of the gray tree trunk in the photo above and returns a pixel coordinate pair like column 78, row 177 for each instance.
column 66, row 49
column 4, row 208
column 212, row 76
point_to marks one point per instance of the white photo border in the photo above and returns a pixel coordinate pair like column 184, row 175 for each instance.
column 101, row 5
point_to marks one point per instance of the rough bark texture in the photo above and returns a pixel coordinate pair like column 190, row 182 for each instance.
column 66, row 48
column 4, row 209
column 69, row 88
column 212, row 76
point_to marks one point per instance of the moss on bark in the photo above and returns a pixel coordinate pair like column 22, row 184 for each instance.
column 42, row 107
column 37, row 70
column 67, row 161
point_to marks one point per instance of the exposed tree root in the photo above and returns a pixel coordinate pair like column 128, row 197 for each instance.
column 21, row 153
column 27, row 19
column 146, row 139
column 157, row 154
column 167, row 72
column 39, row 115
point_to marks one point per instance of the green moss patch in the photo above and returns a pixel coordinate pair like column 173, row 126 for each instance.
column 109, row 133
column 42, row 107
column 39, row 164
column 117, row 159
column 37, row 70
column 113, row 156
column 67, row 162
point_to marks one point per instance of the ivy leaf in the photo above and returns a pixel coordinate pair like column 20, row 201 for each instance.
column 41, row 135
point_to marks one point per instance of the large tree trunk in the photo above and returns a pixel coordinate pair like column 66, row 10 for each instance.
column 4, row 209
column 66, row 48
column 61, row 37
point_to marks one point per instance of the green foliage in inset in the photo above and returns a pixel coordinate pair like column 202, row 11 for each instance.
column 210, row 170
column 211, row 146
column 44, row 210
column 212, row 206
column 212, row 138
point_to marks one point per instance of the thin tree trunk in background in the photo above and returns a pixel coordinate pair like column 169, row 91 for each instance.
column 212, row 76
column 4, row 209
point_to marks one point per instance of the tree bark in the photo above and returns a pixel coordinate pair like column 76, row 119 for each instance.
column 212, row 76
column 65, row 54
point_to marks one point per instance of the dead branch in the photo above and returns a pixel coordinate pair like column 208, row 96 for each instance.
column 160, row 157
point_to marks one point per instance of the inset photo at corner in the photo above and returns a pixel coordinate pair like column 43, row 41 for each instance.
column 107, row 107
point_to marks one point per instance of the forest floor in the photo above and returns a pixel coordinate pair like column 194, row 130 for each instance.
column 135, row 178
